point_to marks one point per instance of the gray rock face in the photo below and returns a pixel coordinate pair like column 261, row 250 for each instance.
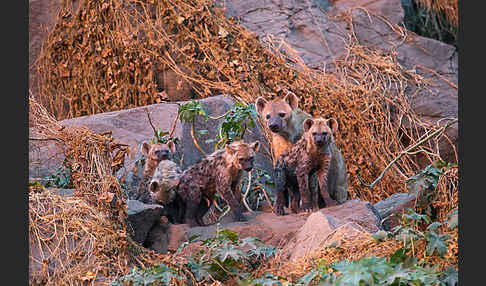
column 142, row 218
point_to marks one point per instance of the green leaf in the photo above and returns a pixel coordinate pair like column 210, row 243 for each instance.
column 449, row 277
column 436, row 241
column 434, row 225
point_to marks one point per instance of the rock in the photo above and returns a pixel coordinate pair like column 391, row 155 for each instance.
column 142, row 218
column 271, row 229
column 394, row 204
column 326, row 226
column 131, row 127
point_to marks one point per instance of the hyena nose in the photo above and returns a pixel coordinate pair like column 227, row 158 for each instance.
column 273, row 126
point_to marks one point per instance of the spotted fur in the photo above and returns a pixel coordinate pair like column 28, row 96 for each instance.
column 220, row 173
column 311, row 154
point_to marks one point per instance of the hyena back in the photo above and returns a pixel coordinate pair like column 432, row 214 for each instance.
column 220, row 173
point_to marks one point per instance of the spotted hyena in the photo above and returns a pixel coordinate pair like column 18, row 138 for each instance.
column 220, row 173
column 285, row 120
column 163, row 187
column 311, row 154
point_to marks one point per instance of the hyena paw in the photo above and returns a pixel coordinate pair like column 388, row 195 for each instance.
column 306, row 207
column 315, row 208
column 279, row 211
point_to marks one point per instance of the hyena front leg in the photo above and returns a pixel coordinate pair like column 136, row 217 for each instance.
column 294, row 198
column 235, row 188
column 224, row 190
column 322, row 177
column 280, row 188
column 192, row 204
column 303, row 182
column 314, row 190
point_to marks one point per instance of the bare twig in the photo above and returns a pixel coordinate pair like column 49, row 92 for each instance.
column 407, row 151
column 150, row 122
column 246, row 193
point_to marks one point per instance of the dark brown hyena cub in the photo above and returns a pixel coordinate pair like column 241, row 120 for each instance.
column 219, row 172
column 308, row 155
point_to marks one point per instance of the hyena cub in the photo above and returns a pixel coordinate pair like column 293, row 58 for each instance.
column 164, row 182
column 163, row 187
column 311, row 154
column 219, row 172
column 154, row 154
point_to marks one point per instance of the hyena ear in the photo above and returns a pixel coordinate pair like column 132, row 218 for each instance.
column 260, row 104
column 145, row 148
column 308, row 124
column 292, row 99
column 153, row 186
column 255, row 145
column 171, row 146
column 333, row 124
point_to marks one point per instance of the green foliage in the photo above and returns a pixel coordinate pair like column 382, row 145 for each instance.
column 60, row 179
column 158, row 274
column 163, row 137
column 187, row 112
column 226, row 255
column 235, row 122
column 424, row 183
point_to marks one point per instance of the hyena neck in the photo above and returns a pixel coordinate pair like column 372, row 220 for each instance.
column 150, row 166
column 315, row 151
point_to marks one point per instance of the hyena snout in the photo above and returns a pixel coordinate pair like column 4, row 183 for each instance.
column 162, row 154
column 275, row 124
column 321, row 139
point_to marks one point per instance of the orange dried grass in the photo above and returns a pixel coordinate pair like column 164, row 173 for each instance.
column 449, row 8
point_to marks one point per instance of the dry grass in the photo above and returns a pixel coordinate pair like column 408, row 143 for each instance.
column 449, row 8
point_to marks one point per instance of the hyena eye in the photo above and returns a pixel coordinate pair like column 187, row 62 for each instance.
column 241, row 159
column 268, row 116
column 281, row 114
column 314, row 134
